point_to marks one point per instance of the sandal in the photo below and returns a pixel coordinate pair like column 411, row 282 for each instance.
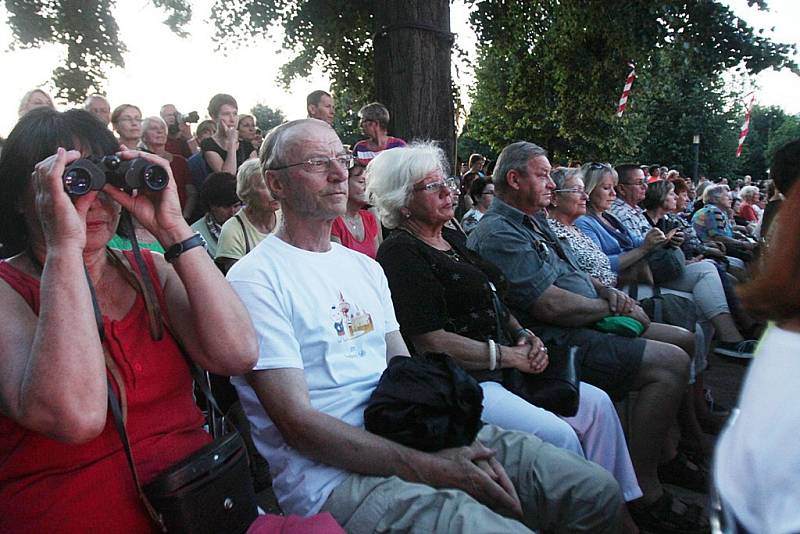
column 682, row 472
column 661, row 516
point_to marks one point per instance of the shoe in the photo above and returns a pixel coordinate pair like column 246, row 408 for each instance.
column 662, row 517
column 680, row 471
column 742, row 350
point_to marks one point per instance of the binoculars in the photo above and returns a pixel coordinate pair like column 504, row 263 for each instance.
column 92, row 173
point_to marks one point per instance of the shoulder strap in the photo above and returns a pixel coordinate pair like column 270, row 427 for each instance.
column 244, row 233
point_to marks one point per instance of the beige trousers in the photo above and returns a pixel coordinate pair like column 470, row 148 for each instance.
column 560, row 492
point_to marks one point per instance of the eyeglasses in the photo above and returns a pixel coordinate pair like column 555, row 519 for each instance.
column 488, row 193
column 321, row 164
column 435, row 187
column 579, row 190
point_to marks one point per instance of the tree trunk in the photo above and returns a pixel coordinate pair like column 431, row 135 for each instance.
column 412, row 70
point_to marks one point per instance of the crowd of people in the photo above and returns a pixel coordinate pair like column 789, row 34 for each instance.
column 304, row 269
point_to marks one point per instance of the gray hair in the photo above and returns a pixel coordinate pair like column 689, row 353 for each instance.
column 514, row 157
column 594, row 174
column 561, row 175
column 391, row 176
column 95, row 96
column 375, row 112
column 713, row 193
column 247, row 173
column 748, row 192
column 275, row 148
column 146, row 124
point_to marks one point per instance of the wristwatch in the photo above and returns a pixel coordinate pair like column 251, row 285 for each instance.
column 172, row 253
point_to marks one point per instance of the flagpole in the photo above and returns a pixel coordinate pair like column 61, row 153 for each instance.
column 623, row 100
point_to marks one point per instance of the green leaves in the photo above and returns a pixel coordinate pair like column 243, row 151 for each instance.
column 89, row 33
column 552, row 72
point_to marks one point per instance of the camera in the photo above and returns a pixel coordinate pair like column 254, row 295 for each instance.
column 191, row 117
column 92, row 173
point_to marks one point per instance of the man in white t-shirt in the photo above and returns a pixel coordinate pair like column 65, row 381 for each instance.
column 326, row 328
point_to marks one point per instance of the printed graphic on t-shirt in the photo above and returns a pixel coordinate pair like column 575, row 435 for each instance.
column 349, row 321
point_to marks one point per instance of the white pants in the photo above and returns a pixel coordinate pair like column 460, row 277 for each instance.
column 594, row 432
column 701, row 279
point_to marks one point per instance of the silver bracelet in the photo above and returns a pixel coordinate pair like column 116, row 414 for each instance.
column 492, row 355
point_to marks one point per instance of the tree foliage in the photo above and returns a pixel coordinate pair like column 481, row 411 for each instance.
column 552, row 71
column 764, row 125
column 334, row 35
column 88, row 31
column 266, row 117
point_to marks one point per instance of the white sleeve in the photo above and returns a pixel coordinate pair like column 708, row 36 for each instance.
column 277, row 344
column 390, row 322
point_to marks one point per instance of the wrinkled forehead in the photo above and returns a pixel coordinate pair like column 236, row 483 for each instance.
column 314, row 140
column 539, row 165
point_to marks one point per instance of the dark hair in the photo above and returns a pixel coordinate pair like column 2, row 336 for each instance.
column 680, row 185
column 36, row 136
column 624, row 171
column 652, row 169
column 314, row 97
column 219, row 189
column 219, row 100
column 205, row 126
column 475, row 158
column 656, row 194
column 785, row 169
column 477, row 187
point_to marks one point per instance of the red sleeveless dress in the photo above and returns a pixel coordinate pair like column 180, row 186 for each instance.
column 50, row 486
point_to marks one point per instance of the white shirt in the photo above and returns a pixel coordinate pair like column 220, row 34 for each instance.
column 758, row 458
column 326, row 313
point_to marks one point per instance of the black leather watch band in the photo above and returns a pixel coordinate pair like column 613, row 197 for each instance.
column 172, row 253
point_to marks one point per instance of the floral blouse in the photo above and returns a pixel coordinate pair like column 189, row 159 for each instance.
column 591, row 259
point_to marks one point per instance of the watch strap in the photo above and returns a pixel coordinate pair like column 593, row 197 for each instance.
column 172, row 253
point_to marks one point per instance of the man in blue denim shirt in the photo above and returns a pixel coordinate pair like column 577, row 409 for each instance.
column 551, row 295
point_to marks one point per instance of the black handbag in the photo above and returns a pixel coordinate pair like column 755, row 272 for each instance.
column 666, row 264
column 670, row 309
column 207, row 492
column 557, row 388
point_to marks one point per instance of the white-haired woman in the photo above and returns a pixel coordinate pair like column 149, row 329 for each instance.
column 712, row 223
column 255, row 221
column 443, row 300
column 750, row 196
column 154, row 139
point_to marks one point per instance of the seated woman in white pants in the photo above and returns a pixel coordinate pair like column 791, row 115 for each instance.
column 442, row 294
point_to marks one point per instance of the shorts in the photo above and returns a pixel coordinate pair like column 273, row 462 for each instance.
column 608, row 361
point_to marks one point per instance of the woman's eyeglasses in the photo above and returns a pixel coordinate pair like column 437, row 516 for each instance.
column 435, row 187
column 579, row 190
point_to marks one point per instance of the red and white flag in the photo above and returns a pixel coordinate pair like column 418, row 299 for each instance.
column 623, row 100
column 745, row 126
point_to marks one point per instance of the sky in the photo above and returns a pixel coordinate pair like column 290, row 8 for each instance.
column 162, row 68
